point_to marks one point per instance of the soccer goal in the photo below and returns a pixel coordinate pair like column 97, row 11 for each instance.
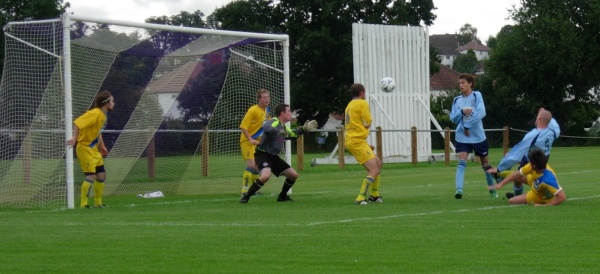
column 180, row 96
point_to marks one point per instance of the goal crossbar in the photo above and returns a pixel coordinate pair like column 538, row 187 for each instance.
column 59, row 73
column 67, row 69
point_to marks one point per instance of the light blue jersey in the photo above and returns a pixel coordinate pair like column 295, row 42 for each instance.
column 536, row 138
column 473, row 121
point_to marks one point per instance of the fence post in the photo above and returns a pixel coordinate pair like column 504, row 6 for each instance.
column 379, row 144
column 300, row 152
column 413, row 144
column 151, row 158
column 447, row 145
column 505, row 140
column 27, row 157
column 205, row 151
column 341, row 148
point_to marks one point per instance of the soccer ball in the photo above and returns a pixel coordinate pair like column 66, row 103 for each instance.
column 387, row 84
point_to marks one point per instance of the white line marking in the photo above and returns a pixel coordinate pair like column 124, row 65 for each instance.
column 351, row 220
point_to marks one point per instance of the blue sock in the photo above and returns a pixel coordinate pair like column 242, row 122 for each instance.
column 518, row 190
column 460, row 174
column 489, row 179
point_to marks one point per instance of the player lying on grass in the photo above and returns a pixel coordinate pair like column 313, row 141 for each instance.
column 267, row 152
column 542, row 136
column 541, row 178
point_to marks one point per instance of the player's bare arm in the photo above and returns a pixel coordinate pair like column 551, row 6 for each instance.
column 558, row 199
column 71, row 142
column 512, row 177
column 247, row 134
column 101, row 147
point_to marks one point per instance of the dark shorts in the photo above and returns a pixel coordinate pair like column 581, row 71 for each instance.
column 277, row 165
column 481, row 149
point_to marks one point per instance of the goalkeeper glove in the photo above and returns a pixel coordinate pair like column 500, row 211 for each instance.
column 310, row 125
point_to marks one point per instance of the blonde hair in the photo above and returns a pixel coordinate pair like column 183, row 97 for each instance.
column 260, row 92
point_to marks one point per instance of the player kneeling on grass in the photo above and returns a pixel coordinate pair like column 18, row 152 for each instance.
column 275, row 132
column 542, row 180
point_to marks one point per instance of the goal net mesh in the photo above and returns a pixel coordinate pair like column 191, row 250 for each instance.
column 180, row 98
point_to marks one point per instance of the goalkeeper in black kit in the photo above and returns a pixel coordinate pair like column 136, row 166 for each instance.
column 275, row 132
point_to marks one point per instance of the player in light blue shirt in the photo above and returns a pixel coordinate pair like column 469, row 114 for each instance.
column 467, row 113
column 541, row 137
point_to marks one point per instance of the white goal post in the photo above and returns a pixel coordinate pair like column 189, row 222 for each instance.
column 201, row 83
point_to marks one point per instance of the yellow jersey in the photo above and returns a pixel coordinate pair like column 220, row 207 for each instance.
column 90, row 125
column 358, row 119
column 545, row 184
column 253, row 122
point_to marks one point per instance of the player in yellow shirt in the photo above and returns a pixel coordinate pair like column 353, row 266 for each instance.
column 541, row 178
column 358, row 122
column 87, row 134
column 252, row 129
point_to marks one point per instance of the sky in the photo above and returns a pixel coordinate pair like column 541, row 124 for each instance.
column 487, row 16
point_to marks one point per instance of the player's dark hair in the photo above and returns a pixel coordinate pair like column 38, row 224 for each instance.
column 260, row 92
column 280, row 109
column 538, row 159
column 102, row 99
column 470, row 79
column 356, row 89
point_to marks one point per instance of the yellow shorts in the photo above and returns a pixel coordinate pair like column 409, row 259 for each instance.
column 533, row 198
column 89, row 158
column 360, row 149
column 247, row 150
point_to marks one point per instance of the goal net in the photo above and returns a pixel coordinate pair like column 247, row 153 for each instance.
column 180, row 95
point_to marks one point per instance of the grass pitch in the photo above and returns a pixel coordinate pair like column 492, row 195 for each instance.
column 419, row 228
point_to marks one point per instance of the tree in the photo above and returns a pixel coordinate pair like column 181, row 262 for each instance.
column 493, row 40
column 467, row 33
column 184, row 18
column 321, row 46
column 320, row 41
column 250, row 15
column 435, row 61
column 170, row 41
column 465, row 63
column 23, row 10
column 550, row 58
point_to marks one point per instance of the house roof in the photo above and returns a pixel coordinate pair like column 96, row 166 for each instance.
column 445, row 79
column 445, row 44
column 474, row 45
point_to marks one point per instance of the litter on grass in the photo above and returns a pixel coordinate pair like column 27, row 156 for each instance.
column 155, row 194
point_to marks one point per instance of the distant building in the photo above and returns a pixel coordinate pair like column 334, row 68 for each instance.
column 482, row 52
column 445, row 45
column 167, row 86
column 448, row 49
column 444, row 80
